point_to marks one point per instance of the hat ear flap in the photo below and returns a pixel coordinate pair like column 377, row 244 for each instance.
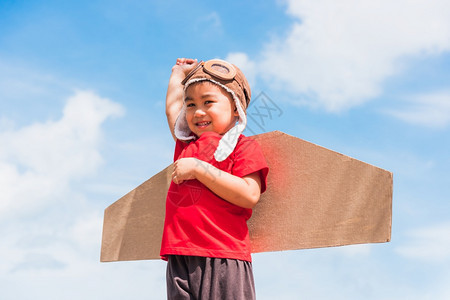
column 247, row 97
column 182, row 130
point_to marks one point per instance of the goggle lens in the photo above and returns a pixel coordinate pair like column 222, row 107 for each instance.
column 220, row 69
column 216, row 68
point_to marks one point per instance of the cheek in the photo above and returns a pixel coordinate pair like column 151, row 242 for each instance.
column 189, row 114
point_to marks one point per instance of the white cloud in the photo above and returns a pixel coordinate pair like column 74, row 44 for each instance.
column 430, row 244
column 45, row 224
column 38, row 161
column 51, row 232
column 86, row 231
column 338, row 53
column 20, row 83
column 209, row 25
column 212, row 20
column 355, row 250
column 432, row 110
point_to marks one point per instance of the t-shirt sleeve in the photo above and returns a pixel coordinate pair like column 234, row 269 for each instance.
column 179, row 147
column 249, row 159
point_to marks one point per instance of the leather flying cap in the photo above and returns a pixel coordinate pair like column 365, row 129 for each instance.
column 225, row 73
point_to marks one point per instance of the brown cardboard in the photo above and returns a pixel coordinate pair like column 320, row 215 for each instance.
column 315, row 198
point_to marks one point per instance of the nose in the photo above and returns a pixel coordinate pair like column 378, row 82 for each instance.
column 199, row 112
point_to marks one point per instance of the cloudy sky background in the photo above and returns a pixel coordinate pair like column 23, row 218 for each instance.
column 82, row 88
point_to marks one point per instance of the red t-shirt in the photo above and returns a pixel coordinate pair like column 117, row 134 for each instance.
column 197, row 221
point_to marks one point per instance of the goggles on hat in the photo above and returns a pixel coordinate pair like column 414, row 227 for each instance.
column 216, row 68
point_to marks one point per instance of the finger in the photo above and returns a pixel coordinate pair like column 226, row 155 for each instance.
column 190, row 61
column 181, row 61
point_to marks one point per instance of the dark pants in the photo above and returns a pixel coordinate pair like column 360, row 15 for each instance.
column 203, row 278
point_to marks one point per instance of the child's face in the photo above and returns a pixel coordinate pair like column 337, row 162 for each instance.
column 209, row 108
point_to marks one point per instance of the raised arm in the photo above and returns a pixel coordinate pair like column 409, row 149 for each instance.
column 175, row 93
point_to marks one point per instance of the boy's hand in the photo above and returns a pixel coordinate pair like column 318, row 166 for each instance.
column 184, row 169
column 241, row 191
column 184, row 65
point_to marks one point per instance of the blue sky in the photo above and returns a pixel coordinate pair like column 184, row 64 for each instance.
column 82, row 87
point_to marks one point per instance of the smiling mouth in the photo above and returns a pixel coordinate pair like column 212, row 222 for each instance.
column 203, row 124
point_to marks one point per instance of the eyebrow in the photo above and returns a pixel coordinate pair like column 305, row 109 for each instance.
column 205, row 95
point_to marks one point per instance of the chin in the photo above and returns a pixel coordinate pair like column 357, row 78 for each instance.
column 199, row 134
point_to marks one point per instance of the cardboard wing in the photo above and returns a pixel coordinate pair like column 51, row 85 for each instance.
column 315, row 198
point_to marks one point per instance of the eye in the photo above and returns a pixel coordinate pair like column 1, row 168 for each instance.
column 190, row 105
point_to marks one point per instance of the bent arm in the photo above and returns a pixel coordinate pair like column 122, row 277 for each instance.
column 175, row 90
column 244, row 192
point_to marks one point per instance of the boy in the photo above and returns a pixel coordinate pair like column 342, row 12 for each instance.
column 217, row 179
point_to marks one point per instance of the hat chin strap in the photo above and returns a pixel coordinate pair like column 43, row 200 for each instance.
column 229, row 140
